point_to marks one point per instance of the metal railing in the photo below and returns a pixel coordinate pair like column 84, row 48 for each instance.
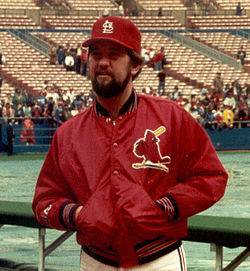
column 31, row 40
column 202, row 48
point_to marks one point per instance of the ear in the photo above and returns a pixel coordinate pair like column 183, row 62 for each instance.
column 135, row 68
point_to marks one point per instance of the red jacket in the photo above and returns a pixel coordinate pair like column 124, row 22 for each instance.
column 118, row 171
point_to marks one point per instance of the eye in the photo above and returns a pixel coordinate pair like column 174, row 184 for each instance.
column 96, row 54
column 114, row 54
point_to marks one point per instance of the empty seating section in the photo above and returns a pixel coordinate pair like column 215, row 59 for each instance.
column 75, row 22
column 219, row 22
column 225, row 42
column 29, row 69
column 231, row 4
column 68, row 22
column 18, row 4
column 62, row 38
column 164, row 4
column 91, row 5
column 17, row 21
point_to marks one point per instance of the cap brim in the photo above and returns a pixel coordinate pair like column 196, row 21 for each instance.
column 90, row 41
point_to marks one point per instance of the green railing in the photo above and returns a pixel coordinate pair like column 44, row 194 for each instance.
column 221, row 232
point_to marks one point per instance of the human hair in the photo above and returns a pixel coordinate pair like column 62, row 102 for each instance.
column 137, row 60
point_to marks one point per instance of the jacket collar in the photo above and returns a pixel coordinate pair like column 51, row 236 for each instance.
column 129, row 106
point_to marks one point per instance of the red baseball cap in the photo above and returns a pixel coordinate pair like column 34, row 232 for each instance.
column 116, row 29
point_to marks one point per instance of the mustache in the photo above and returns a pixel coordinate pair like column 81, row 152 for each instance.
column 103, row 72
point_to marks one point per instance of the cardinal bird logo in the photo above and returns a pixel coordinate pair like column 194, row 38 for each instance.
column 148, row 149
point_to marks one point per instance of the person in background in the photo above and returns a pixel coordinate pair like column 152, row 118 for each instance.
column 241, row 55
column 69, row 62
column 27, row 134
column 156, row 165
column 1, row 55
column 10, row 136
column 53, row 55
column 228, row 116
column 1, row 82
column 60, row 55
column 160, row 12
column 218, row 84
column 239, row 9
column 78, row 58
column 159, row 59
column 162, row 78
column 121, row 9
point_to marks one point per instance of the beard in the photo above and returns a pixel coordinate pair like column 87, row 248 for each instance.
column 112, row 88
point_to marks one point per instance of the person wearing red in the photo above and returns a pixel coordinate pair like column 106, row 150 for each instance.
column 130, row 169
column 27, row 134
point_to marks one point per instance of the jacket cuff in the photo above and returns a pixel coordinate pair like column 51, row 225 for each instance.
column 66, row 215
column 169, row 206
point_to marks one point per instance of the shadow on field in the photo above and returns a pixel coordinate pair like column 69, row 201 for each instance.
column 6, row 265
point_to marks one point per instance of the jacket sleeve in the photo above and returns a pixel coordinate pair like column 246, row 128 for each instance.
column 202, row 177
column 53, row 202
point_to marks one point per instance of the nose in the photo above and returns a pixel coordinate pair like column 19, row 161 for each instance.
column 104, row 61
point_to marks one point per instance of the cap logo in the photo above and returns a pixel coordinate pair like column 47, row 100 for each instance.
column 107, row 27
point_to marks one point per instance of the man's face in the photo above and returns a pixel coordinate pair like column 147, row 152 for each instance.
column 109, row 68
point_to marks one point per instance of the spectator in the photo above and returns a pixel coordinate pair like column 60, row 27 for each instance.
column 175, row 94
column 241, row 55
column 1, row 82
column 218, row 119
column 60, row 55
column 77, row 102
column 36, row 112
column 243, row 109
column 8, row 99
column 159, row 59
column 51, row 107
column 162, row 77
column 239, row 9
column 27, row 134
column 105, row 12
column 195, row 114
column 230, row 100
column 42, row 100
column 10, row 136
column 145, row 55
column 228, row 116
column 60, row 113
column 1, row 55
column 151, row 57
column 218, row 84
column 180, row 100
column 135, row 11
column 160, row 12
column 74, row 111
column 18, row 98
column 19, row 113
column 26, row 109
column 78, row 58
column 70, row 94
column 209, row 118
column 121, row 9
column 245, row 89
column 8, row 112
column 53, row 55
column 52, row 92
column 69, row 62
